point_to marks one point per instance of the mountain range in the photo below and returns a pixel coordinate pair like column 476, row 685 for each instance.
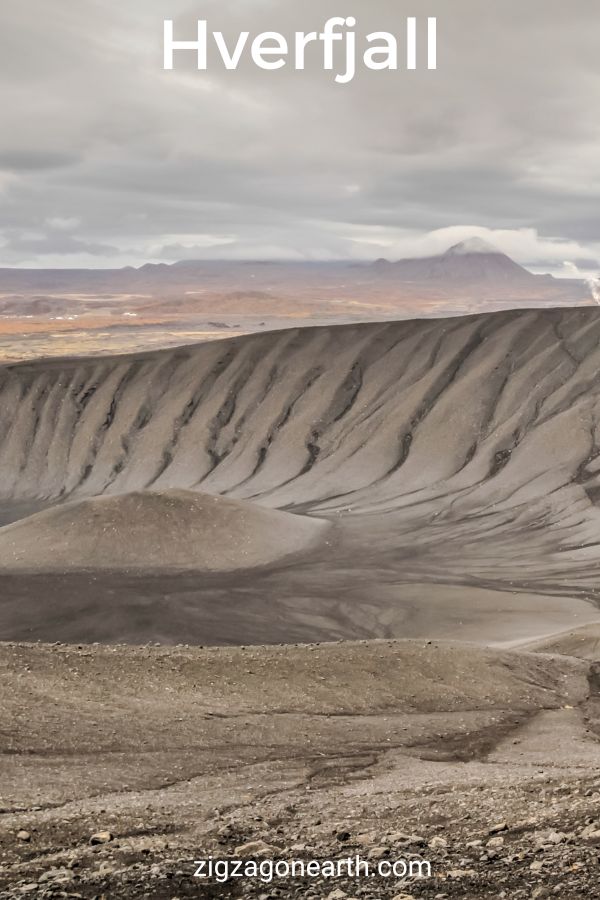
column 471, row 262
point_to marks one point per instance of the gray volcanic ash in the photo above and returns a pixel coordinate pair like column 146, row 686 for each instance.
column 457, row 458
column 313, row 752
column 167, row 530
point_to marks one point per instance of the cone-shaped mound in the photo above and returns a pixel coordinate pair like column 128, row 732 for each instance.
column 145, row 531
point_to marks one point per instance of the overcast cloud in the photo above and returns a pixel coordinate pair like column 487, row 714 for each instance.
column 105, row 159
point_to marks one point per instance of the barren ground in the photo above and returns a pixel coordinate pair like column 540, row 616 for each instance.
column 377, row 749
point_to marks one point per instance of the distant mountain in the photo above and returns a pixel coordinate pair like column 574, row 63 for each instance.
column 473, row 261
column 470, row 269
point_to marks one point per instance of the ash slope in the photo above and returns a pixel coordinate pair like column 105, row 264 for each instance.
column 155, row 531
column 459, row 459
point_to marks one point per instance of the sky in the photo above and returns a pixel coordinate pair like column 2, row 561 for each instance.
column 108, row 160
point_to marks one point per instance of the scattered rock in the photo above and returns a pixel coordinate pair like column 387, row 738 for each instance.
column 378, row 852
column 256, row 848
column 23, row 836
column 437, row 843
column 366, row 839
column 57, row 876
column 495, row 843
column 102, row 837
column 591, row 837
column 105, row 868
column 407, row 840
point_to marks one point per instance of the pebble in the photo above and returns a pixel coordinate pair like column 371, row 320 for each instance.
column 102, row 837
column 495, row 843
column 256, row 848
column 378, row 852
column 592, row 837
column 437, row 843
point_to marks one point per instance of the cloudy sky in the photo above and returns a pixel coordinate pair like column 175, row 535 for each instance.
column 106, row 159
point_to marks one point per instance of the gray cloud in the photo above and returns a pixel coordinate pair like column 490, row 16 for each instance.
column 28, row 160
column 54, row 244
column 504, row 138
